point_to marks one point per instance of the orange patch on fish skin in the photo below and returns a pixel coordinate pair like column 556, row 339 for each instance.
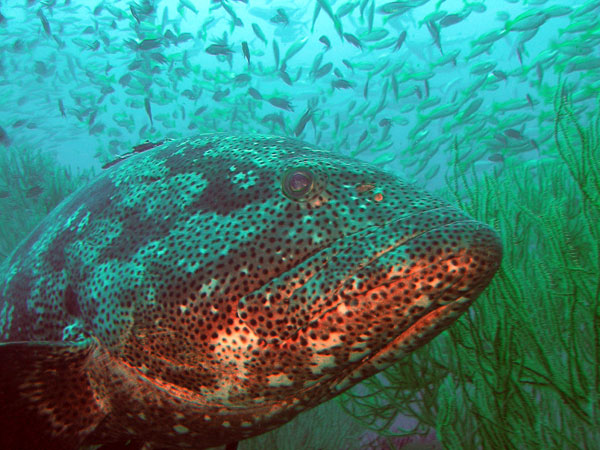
column 365, row 187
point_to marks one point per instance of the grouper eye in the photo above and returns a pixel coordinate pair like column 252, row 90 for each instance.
column 297, row 183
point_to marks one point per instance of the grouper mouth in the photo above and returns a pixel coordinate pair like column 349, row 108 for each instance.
column 421, row 261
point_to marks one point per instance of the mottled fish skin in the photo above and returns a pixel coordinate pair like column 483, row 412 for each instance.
column 218, row 297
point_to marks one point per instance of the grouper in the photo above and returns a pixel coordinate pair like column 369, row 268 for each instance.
column 205, row 290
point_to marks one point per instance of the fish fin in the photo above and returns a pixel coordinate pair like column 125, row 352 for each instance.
column 46, row 396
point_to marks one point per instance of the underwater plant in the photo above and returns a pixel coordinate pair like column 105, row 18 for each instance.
column 32, row 183
column 522, row 368
column 325, row 427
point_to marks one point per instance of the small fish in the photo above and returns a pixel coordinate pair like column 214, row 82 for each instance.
column 246, row 52
column 276, row 53
column 325, row 41
column 159, row 58
column 496, row 157
column 255, row 94
column 200, row 110
column 229, row 10
column 371, row 16
column 285, row 77
column 134, row 14
column 220, row 95
column 400, row 41
column 499, row 74
column 218, row 49
column 295, row 48
column 418, row 92
column 451, row 19
column 341, row 84
column 281, row 103
column 363, row 136
column 308, row 115
column 374, row 35
column 352, row 40
column 149, row 44
column 189, row 5
column 45, row 23
column 527, row 21
column 435, row 34
column 316, row 12
column 259, row 33
column 482, row 68
column 346, row 9
column 472, row 108
column 61, row 108
column 148, row 108
column 539, row 72
column 514, row 134
column 34, row 191
column 337, row 24
column 534, row 144
column 241, row 79
column 276, row 119
column 4, row 193
column 280, row 17
column 322, row 71
column 529, row 100
column 316, row 63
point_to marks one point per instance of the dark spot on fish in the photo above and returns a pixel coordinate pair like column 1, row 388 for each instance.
column 55, row 254
column 180, row 163
column 71, row 303
column 137, row 230
column 17, row 293
column 224, row 197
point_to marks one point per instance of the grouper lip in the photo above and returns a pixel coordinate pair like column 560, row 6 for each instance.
column 475, row 239
column 291, row 301
column 479, row 232
column 424, row 328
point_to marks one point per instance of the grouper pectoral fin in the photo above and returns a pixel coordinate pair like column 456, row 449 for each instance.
column 45, row 395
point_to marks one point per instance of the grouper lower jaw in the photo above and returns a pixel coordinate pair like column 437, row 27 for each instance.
column 427, row 295
column 404, row 298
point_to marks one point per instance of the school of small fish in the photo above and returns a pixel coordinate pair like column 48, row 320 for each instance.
column 402, row 84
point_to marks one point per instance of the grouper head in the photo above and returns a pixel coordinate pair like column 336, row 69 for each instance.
column 210, row 289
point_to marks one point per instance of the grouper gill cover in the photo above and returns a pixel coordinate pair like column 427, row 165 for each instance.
column 209, row 289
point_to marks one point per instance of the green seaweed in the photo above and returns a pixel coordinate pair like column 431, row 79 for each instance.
column 324, row 427
column 32, row 183
column 522, row 368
